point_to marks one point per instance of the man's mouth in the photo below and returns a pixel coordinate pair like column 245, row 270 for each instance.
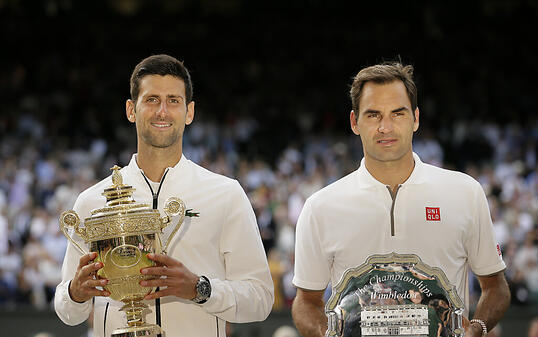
column 161, row 125
column 386, row 141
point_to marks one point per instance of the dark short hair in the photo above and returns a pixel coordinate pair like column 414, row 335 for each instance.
column 382, row 74
column 160, row 65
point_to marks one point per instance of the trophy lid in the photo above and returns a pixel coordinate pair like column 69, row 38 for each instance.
column 121, row 215
column 119, row 198
column 118, row 193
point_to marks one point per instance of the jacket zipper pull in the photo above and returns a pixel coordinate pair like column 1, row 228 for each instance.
column 155, row 201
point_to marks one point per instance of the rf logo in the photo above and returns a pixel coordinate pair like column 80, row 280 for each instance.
column 433, row 214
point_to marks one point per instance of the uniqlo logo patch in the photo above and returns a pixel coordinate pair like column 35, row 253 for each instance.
column 433, row 214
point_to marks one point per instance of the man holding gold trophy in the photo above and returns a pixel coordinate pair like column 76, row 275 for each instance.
column 204, row 259
column 395, row 238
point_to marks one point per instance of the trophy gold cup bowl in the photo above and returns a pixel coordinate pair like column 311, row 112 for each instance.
column 122, row 234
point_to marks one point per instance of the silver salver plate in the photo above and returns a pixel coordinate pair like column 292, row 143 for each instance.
column 394, row 295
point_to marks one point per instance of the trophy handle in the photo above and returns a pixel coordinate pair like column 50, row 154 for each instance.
column 175, row 213
column 71, row 219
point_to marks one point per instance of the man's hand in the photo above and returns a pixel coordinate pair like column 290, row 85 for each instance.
column 472, row 330
column 178, row 280
column 82, row 286
column 493, row 302
column 308, row 313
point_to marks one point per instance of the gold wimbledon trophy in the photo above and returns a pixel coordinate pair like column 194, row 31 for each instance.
column 122, row 234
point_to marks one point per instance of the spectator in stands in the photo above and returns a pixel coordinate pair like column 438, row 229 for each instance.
column 533, row 328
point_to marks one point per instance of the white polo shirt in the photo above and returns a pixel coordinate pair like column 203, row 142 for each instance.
column 440, row 215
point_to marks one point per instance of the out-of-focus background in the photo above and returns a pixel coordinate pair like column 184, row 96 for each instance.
column 271, row 82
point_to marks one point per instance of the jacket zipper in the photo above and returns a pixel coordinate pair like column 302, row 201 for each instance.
column 104, row 320
column 155, row 195
column 393, row 196
column 155, row 204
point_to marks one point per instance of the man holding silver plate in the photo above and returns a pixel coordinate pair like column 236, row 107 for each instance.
column 209, row 271
column 395, row 238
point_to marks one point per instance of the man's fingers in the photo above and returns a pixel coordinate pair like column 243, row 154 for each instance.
column 164, row 259
column 96, row 292
column 87, row 270
column 91, row 283
column 158, row 271
column 160, row 293
column 81, row 291
column 159, row 282
column 165, row 282
column 85, row 259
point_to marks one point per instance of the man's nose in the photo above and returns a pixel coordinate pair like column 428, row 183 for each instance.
column 385, row 125
column 163, row 109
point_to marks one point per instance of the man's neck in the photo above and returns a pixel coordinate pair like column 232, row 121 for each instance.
column 391, row 173
column 154, row 161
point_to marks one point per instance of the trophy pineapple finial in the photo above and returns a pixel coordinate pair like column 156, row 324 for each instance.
column 118, row 193
column 117, row 180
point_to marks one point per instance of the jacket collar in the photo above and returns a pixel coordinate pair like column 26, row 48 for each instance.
column 181, row 165
column 366, row 180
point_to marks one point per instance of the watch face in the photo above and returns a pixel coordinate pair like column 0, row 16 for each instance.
column 204, row 288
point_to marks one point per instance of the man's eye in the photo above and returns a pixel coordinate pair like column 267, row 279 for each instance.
column 373, row 115
column 174, row 100
column 151, row 100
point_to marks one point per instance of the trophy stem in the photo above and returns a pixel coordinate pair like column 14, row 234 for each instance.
column 136, row 325
column 133, row 310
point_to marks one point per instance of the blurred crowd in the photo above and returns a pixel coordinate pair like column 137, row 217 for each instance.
column 41, row 176
column 271, row 111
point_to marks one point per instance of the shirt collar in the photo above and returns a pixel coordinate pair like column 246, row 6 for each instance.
column 365, row 179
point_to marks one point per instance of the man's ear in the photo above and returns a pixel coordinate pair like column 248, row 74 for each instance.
column 190, row 113
column 353, row 122
column 416, row 121
column 130, row 110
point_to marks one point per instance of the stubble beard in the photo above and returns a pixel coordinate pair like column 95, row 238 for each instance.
column 160, row 141
column 382, row 156
column 387, row 157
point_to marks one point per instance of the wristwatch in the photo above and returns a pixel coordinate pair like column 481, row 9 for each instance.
column 203, row 290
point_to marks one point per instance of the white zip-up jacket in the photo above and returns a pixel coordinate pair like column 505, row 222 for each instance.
column 223, row 244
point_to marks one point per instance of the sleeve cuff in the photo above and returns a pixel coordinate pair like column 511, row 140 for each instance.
column 490, row 270
column 69, row 311
column 308, row 285
column 215, row 300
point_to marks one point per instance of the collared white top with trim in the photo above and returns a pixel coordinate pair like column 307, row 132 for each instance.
column 344, row 223
column 223, row 243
